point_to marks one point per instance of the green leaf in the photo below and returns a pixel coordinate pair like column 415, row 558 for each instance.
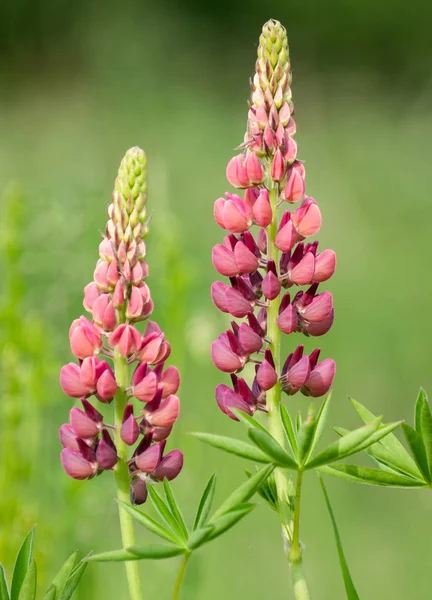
column 421, row 399
column 232, row 446
column 345, row 446
column 228, row 520
column 270, row 446
column 205, row 503
column 426, row 431
column 4, row 591
column 156, row 551
column 28, row 588
column 165, row 513
column 321, row 421
column 175, row 511
column 51, row 593
column 151, row 524
column 21, row 565
column 370, row 476
column 73, row 581
column 298, row 421
column 268, row 491
column 417, row 447
column 243, row 493
column 199, row 537
column 63, row 575
column 311, row 430
column 289, row 430
column 247, row 419
column 349, row 585
column 121, row 555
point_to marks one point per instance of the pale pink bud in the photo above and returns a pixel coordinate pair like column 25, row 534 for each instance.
column 236, row 172
column 148, row 460
column 287, row 320
column 278, row 166
column 76, row 465
column 233, row 214
column 169, row 381
column 104, row 313
column 91, row 368
column 71, row 383
column 106, row 453
column 112, row 274
column 106, row 250
column 126, row 339
column 144, row 290
column 286, row 236
column 320, row 379
column 262, row 211
column 290, row 150
column 145, row 390
column 325, row 265
column 106, row 386
column 307, row 218
column 170, row 466
column 85, row 339
column 135, row 304
column 154, row 348
column 137, row 274
column 118, row 295
column 253, row 168
column 295, row 186
column 129, row 431
column 91, row 293
column 68, row 438
column 266, row 373
column 166, row 414
column 100, row 275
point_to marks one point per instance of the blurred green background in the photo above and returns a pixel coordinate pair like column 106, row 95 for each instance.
column 80, row 83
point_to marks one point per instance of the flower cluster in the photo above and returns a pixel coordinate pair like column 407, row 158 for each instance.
column 117, row 299
column 260, row 268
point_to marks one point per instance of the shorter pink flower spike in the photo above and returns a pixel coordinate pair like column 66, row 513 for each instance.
column 106, row 453
column 325, row 265
column 68, row 438
column 165, row 415
column 126, row 339
column 295, row 187
column 320, row 379
column 236, row 172
column 170, row 466
column 278, row 166
column 129, row 431
column 262, row 211
column 76, row 465
column 307, row 218
column 271, row 286
column 71, row 383
column 85, row 339
column 226, row 353
column 266, row 373
column 138, row 491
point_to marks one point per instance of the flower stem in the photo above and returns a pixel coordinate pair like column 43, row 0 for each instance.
column 283, row 484
column 121, row 473
column 180, row 576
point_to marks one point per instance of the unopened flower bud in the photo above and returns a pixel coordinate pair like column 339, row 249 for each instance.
column 126, row 339
column 266, row 373
column 262, row 211
column 85, row 339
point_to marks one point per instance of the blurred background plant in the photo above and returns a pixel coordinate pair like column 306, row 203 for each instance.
column 79, row 83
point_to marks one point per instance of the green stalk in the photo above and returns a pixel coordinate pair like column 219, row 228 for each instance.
column 283, row 484
column 180, row 576
column 122, row 478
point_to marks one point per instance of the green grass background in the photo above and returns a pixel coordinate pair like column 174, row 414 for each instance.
column 76, row 91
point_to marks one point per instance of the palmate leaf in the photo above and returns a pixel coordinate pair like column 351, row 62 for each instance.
column 348, row 582
column 174, row 508
column 151, row 551
column 311, row 430
column 198, row 537
column 416, row 445
column 421, row 400
column 151, row 524
column 426, row 430
column 247, row 419
column 370, row 476
column 4, row 591
column 205, row 504
column 346, row 445
column 289, row 431
column 268, row 491
column 272, row 448
column 164, row 512
column 22, row 564
column 233, row 446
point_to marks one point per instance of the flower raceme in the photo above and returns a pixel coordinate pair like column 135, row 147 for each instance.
column 117, row 299
column 279, row 257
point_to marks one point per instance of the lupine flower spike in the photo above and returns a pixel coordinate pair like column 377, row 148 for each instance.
column 107, row 344
column 278, row 257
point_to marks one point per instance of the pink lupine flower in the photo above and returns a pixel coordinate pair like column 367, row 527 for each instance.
column 106, row 453
column 104, row 313
column 106, row 385
column 68, row 438
column 82, row 425
column 91, row 294
column 169, row 381
column 148, row 460
column 170, row 466
column 71, row 383
column 144, row 383
column 164, row 415
column 126, row 339
column 320, row 379
column 79, row 465
column 85, row 339
column 129, row 431
column 278, row 257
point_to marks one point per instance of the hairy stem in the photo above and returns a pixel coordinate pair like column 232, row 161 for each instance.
column 180, row 576
column 121, row 472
